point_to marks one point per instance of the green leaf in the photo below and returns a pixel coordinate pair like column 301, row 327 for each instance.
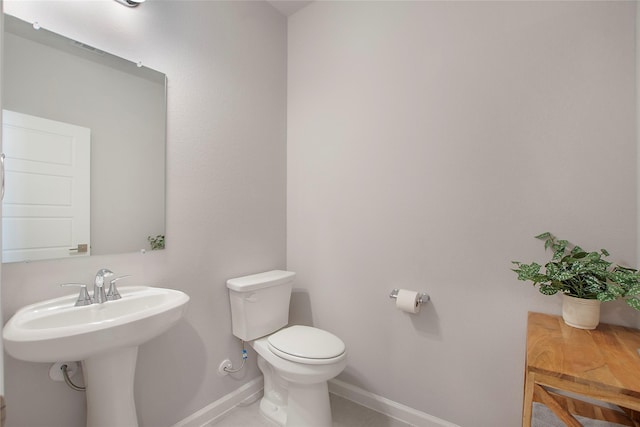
column 559, row 249
column 634, row 302
column 592, row 280
column 592, row 256
column 563, row 276
column 528, row 271
column 578, row 254
column 548, row 289
column 605, row 297
column 634, row 290
column 615, row 290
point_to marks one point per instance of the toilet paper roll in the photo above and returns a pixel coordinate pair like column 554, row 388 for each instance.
column 407, row 301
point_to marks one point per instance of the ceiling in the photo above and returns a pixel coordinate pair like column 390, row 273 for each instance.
column 288, row 7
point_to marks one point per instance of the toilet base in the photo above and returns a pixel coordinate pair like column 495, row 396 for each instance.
column 308, row 405
column 274, row 412
column 273, row 404
column 290, row 404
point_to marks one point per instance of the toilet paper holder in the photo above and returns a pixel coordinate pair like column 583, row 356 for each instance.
column 422, row 299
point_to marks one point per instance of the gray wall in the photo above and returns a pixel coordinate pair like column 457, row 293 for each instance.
column 1, row 76
column 428, row 142
column 226, row 65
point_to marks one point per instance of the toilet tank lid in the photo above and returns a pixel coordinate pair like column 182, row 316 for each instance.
column 260, row 280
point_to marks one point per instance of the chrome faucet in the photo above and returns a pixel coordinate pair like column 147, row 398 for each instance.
column 99, row 295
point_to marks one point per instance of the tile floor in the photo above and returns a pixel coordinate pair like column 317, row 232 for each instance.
column 345, row 414
column 543, row 417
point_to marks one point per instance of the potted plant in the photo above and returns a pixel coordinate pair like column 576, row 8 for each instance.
column 156, row 242
column 585, row 280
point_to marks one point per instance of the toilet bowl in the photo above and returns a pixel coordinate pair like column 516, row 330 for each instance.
column 296, row 361
column 303, row 354
column 296, row 372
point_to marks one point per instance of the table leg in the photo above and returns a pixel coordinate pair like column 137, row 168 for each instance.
column 527, row 403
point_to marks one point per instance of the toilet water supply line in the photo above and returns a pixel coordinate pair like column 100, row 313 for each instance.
column 244, row 359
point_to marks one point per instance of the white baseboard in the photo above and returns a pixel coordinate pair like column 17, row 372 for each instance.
column 388, row 407
column 213, row 411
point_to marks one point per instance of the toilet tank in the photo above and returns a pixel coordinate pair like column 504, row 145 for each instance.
column 260, row 303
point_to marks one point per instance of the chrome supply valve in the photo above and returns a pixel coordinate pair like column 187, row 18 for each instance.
column 83, row 298
column 99, row 295
column 112, row 293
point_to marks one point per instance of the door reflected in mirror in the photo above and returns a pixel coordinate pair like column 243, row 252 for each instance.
column 52, row 80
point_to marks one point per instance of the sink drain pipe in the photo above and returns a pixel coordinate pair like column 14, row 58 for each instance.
column 65, row 375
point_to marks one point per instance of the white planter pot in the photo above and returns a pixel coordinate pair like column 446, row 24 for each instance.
column 580, row 313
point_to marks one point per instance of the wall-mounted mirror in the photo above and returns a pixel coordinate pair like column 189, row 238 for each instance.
column 57, row 93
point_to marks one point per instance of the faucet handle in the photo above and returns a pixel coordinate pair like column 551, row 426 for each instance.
column 83, row 298
column 112, row 293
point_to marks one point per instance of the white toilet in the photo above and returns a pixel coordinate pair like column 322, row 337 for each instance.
column 296, row 361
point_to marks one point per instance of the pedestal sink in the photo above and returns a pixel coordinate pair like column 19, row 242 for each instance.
column 105, row 337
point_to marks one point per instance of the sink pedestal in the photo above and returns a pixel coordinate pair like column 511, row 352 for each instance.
column 109, row 380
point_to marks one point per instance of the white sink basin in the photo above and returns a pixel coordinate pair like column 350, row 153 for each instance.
column 105, row 337
column 55, row 330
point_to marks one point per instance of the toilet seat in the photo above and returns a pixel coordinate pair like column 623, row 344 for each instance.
column 308, row 345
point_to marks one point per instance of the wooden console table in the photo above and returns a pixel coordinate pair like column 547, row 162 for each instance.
column 601, row 364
